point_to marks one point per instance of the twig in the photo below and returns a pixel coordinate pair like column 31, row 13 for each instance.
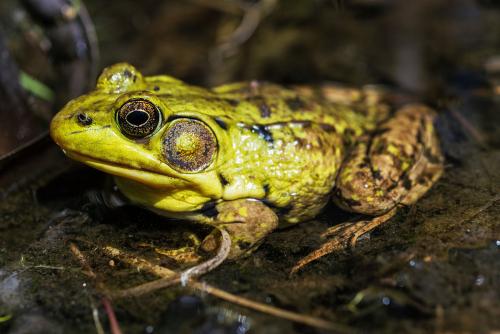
column 271, row 310
column 113, row 323
column 95, row 317
column 482, row 208
column 211, row 264
column 469, row 128
column 170, row 277
column 252, row 16
column 87, row 270
column 43, row 266
column 148, row 287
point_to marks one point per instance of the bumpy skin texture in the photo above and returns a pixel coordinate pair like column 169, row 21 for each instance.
column 284, row 148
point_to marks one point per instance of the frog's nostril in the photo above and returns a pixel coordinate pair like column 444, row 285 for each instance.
column 84, row 119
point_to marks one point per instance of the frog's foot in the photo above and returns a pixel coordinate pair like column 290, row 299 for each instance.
column 186, row 255
column 183, row 255
column 344, row 235
column 246, row 221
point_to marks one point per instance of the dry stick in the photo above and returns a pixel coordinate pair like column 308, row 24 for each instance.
column 113, row 323
column 115, row 327
column 95, row 317
column 482, row 208
column 87, row 270
column 170, row 277
column 469, row 128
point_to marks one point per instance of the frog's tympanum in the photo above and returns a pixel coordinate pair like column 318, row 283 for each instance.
column 250, row 156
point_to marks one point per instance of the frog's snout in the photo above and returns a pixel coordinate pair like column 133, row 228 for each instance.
column 64, row 123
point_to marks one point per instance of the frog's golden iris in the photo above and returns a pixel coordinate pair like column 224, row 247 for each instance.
column 246, row 156
column 138, row 118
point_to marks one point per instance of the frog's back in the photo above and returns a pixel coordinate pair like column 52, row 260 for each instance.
column 288, row 144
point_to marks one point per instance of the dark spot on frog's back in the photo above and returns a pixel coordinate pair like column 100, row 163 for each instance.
column 156, row 88
column 263, row 132
column 295, row 103
column 265, row 111
column 260, row 103
column 266, row 189
column 220, row 122
column 127, row 74
column 232, row 102
column 328, row 127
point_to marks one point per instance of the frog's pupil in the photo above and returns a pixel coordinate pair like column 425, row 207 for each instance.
column 137, row 117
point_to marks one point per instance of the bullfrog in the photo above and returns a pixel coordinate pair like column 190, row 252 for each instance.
column 250, row 157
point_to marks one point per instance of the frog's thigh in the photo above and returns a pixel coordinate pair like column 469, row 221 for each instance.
column 397, row 164
column 246, row 221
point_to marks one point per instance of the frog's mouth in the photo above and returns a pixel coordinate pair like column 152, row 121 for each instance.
column 144, row 176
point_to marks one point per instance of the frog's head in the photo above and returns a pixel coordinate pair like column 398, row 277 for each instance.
column 156, row 135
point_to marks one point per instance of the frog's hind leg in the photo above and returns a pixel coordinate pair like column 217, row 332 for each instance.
column 395, row 165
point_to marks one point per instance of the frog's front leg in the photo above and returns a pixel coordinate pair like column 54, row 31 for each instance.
column 247, row 221
column 395, row 165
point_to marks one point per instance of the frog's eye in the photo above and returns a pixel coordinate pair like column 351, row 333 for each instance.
column 138, row 118
column 189, row 145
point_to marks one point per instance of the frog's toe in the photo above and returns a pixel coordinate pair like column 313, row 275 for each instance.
column 183, row 255
column 344, row 236
column 187, row 254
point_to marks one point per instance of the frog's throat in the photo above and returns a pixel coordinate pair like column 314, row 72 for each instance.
column 146, row 177
column 175, row 203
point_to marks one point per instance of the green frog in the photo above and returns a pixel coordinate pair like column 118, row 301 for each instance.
column 249, row 157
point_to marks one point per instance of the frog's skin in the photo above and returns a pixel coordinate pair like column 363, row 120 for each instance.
column 263, row 155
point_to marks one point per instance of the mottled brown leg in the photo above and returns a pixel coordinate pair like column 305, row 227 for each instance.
column 396, row 165
column 246, row 221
